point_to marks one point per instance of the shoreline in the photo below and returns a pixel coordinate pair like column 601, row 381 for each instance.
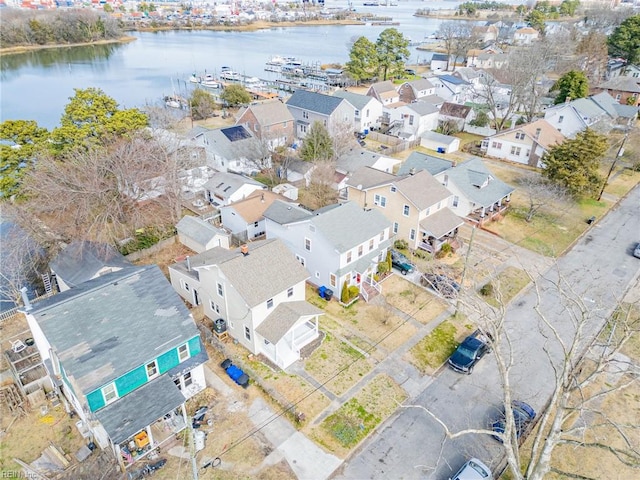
column 30, row 48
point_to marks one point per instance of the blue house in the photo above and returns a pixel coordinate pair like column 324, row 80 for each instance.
column 126, row 354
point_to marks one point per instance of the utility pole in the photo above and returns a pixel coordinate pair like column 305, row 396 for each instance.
column 613, row 164
column 464, row 269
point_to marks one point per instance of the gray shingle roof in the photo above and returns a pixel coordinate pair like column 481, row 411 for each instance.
column 356, row 158
column 82, row 260
column 108, row 326
column 587, row 108
column 217, row 141
column 441, row 223
column 421, row 161
column 355, row 99
column 314, row 102
column 470, row 175
column 421, row 84
column 422, row 189
column 439, row 137
column 271, row 113
column 197, row 229
column 283, row 212
column 621, row 84
column 225, row 184
column 370, row 177
column 283, row 318
column 348, row 225
column 423, row 108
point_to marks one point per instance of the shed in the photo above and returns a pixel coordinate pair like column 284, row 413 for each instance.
column 439, row 142
column 286, row 190
column 200, row 236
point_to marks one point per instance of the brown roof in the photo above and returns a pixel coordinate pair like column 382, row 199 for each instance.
column 271, row 113
column 548, row 134
column 454, row 110
column 253, row 207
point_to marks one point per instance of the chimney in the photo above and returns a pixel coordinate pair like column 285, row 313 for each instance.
column 244, row 249
column 412, row 171
column 188, row 263
column 25, row 299
column 453, row 163
column 567, row 99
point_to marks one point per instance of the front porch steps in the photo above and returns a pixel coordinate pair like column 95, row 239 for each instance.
column 371, row 292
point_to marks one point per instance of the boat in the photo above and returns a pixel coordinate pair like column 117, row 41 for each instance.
column 254, row 83
column 209, row 81
column 195, row 78
column 279, row 60
column 230, row 75
column 375, row 3
column 176, row 101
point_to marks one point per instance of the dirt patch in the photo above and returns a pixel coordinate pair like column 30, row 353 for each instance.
column 165, row 257
column 412, row 299
column 506, row 285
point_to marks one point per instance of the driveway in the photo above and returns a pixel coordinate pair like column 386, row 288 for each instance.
column 596, row 273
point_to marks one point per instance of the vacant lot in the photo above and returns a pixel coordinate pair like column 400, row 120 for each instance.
column 506, row 285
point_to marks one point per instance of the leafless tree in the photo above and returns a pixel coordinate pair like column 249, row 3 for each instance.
column 322, row 190
column 447, row 34
column 592, row 55
column 464, row 39
column 582, row 356
column 343, row 138
column 543, row 194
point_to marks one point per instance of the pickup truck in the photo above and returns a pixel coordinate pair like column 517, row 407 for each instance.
column 472, row 349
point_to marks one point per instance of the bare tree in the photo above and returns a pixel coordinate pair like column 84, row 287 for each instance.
column 343, row 138
column 592, row 55
column 543, row 194
column 464, row 39
column 322, row 190
column 447, row 34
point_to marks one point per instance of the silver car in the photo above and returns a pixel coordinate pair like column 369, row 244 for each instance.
column 474, row 469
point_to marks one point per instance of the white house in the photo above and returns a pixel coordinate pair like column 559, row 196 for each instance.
column 337, row 244
column 385, row 92
column 368, row 110
column 259, row 292
column 572, row 117
column 334, row 113
column 452, row 89
column 525, row 36
column 410, row 121
column 225, row 188
column 199, row 235
column 439, row 142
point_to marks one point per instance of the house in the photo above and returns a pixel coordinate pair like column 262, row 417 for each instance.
column 416, row 204
column 489, row 59
column 200, row 235
column 333, row 112
column 473, row 76
column 457, row 114
column 225, row 188
column 126, row 354
column 440, row 61
column 485, row 33
column 82, row 260
column 632, row 71
column 368, row 110
column 439, row 142
column 286, row 190
column 270, row 121
column 452, row 89
column 572, row 117
column 259, row 293
column 478, row 196
column 416, row 90
column 525, row 36
column 524, row 144
column 625, row 90
column 409, row 121
column 230, row 148
column 357, row 158
column 338, row 244
column 244, row 218
column 385, row 92
column 615, row 68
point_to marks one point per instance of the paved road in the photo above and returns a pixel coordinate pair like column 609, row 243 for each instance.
column 595, row 273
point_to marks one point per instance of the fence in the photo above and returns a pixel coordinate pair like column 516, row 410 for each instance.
column 482, row 131
column 392, row 144
column 132, row 257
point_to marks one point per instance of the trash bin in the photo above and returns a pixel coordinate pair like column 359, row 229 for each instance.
column 328, row 294
column 441, row 150
column 322, row 291
column 590, row 220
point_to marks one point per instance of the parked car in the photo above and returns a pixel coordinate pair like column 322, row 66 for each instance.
column 474, row 469
column 636, row 251
column 445, row 286
column 523, row 415
column 470, row 351
column 401, row 262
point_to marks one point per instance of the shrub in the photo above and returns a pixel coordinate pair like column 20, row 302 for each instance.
column 354, row 291
column 400, row 244
column 444, row 251
column 487, row 289
column 421, row 254
column 383, row 267
column 344, row 295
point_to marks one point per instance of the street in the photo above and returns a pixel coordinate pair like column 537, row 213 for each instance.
column 594, row 275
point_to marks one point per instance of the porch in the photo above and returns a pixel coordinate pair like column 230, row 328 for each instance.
column 439, row 229
column 487, row 214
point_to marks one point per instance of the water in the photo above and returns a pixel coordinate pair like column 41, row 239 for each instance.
column 37, row 85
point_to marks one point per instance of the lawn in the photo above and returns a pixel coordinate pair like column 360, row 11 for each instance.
column 432, row 351
column 412, row 299
column 354, row 420
column 505, row 286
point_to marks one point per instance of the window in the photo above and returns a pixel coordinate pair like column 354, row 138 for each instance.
column 220, row 290
column 270, row 303
column 301, row 260
column 405, row 210
column 317, row 274
column 519, row 136
column 496, row 145
column 109, row 393
column 618, row 96
column 152, row 370
column 333, row 280
column 412, row 234
column 185, row 285
column 446, row 180
column 187, row 379
column 357, row 114
column 560, row 118
column 183, row 352
column 290, row 292
column 382, row 235
column 410, row 119
column 307, row 244
column 247, row 333
column 360, row 250
column 380, row 200
column 178, row 383
column 349, row 256
column 214, row 306
column 456, row 199
column 303, row 128
column 515, row 151
column 427, row 211
column 305, row 114
column 438, row 206
column 371, row 244
column 395, row 227
column 255, row 224
column 393, row 189
column 368, row 109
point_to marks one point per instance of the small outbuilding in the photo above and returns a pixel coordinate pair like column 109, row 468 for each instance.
column 200, row 235
column 439, row 142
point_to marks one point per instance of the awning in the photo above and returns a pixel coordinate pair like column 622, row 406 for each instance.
column 283, row 318
column 135, row 411
column 441, row 223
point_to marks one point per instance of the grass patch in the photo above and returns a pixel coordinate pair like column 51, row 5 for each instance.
column 434, row 349
column 355, row 419
column 466, row 138
column 622, row 182
column 506, row 286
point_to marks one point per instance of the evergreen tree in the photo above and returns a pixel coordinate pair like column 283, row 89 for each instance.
column 363, row 60
column 571, row 85
column 317, row 145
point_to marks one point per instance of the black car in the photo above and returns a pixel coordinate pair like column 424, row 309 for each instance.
column 445, row 286
column 523, row 415
column 472, row 349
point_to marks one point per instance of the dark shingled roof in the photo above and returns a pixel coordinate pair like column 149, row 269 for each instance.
column 314, row 102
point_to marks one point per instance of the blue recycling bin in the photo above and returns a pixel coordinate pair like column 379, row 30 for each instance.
column 441, row 150
column 322, row 291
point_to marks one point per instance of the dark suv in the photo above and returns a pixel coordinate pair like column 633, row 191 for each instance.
column 401, row 262
column 523, row 415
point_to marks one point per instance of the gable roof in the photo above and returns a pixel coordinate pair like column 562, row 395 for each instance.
column 367, row 177
column 421, row 161
column 283, row 318
column 356, row 158
column 228, row 142
column 420, row 84
column 547, row 134
column 225, row 184
column 441, row 223
column 283, row 213
column 422, row 189
column 357, row 100
column 586, row 107
column 269, row 113
column 252, row 208
column 90, row 327
column 439, row 137
column 383, row 87
column 197, row 229
column 527, row 31
column 455, row 110
column 452, row 80
column 314, row 102
column 423, row 108
column 477, row 182
column 80, row 261
column 621, row 84
column 439, row 57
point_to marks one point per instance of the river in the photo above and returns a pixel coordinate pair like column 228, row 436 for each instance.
column 37, row 85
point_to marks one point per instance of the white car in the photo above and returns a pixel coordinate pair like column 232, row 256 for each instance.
column 474, row 469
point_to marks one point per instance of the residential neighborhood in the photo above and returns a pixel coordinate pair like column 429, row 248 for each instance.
column 417, row 263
